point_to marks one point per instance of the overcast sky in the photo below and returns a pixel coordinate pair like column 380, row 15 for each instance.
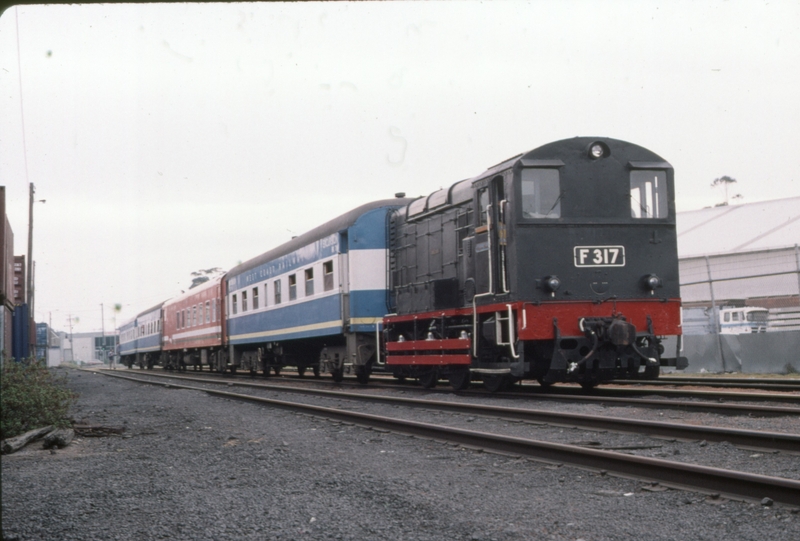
column 168, row 138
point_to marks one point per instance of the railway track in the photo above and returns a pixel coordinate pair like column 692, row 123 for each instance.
column 788, row 392
column 721, row 383
column 713, row 403
column 732, row 484
column 745, row 438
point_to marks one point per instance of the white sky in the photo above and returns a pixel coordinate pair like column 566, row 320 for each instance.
column 176, row 137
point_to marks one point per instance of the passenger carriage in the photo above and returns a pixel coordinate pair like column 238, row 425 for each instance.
column 127, row 343
column 316, row 302
column 194, row 324
column 148, row 337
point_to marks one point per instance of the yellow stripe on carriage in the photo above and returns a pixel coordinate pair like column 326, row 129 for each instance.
column 302, row 328
column 365, row 320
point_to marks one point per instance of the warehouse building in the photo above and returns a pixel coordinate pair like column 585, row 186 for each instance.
column 733, row 261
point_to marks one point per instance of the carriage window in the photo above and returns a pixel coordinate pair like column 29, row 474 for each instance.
column 309, row 282
column 255, row 298
column 200, row 314
column 649, row 194
column 292, row 287
column 234, row 308
column 541, row 193
column 277, row 291
column 208, row 312
column 327, row 275
column 244, row 301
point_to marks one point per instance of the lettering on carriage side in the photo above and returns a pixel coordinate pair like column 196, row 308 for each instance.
column 599, row 256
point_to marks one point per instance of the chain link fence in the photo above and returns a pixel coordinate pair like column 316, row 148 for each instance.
column 741, row 311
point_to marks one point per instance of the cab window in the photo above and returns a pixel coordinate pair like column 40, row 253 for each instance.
column 648, row 194
column 483, row 203
column 541, row 193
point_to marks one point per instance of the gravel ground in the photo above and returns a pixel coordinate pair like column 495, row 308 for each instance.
column 721, row 455
column 192, row 466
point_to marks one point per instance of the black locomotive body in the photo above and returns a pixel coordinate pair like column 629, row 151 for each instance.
column 558, row 264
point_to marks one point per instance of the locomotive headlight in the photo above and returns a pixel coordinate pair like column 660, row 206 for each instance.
column 552, row 283
column 651, row 282
column 598, row 150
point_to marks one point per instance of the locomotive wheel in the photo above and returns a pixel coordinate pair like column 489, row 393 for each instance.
column 233, row 370
column 459, row 378
column 544, row 384
column 362, row 375
column 589, row 385
column 429, row 379
column 496, row 382
column 301, row 371
column 338, row 375
column 316, row 370
column 651, row 372
column 277, row 370
column 265, row 372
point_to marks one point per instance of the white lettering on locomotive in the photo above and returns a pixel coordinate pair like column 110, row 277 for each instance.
column 599, row 256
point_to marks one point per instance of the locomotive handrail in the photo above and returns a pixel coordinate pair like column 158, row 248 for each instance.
column 501, row 253
column 511, row 332
column 491, row 283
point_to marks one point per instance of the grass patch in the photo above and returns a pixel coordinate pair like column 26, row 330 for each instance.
column 32, row 397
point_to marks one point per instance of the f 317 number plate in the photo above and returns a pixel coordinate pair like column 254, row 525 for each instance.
column 599, row 256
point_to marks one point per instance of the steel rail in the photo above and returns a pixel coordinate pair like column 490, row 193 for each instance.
column 794, row 386
column 712, row 379
column 716, row 395
column 733, row 484
column 747, row 438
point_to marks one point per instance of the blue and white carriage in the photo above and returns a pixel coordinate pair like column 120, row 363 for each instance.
column 127, row 343
column 140, row 339
column 316, row 301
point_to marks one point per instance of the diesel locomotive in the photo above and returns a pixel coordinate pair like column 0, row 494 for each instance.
column 559, row 264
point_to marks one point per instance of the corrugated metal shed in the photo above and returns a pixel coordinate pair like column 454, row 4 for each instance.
column 741, row 253
column 739, row 228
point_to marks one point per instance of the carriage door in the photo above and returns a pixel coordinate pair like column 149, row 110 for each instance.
column 490, row 239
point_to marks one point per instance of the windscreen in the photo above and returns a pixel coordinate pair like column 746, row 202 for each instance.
column 649, row 194
column 541, row 193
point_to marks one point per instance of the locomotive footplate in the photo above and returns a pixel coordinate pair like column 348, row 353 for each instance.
column 610, row 348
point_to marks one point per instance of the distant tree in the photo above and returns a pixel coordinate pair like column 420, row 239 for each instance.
column 725, row 182
column 204, row 275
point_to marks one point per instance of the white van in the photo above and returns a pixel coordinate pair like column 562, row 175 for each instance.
column 743, row 320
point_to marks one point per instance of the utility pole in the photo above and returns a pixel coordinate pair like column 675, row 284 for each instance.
column 103, row 331
column 71, row 350
column 29, row 285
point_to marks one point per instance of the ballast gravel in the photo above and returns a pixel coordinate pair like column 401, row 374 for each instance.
column 192, row 466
